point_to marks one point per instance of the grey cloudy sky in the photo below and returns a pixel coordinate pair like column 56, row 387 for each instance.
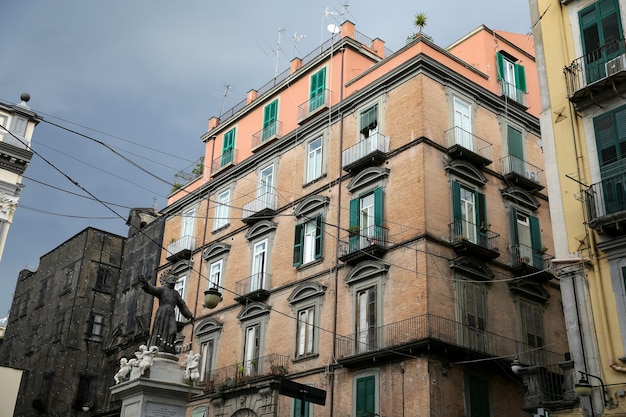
column 145, row 76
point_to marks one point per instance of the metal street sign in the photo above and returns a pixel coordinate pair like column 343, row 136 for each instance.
column 302, row 392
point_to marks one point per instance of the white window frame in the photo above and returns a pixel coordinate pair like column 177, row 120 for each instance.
column 208, row 334
column 462, row 119
column 188, row 222
column 96, row 324
column 222, row 210
column 180, row 286
column 314, row 162
column 216, row 272
column 259, row 264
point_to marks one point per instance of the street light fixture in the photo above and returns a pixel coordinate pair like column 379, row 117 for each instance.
column 212, row 297
column 584, row 388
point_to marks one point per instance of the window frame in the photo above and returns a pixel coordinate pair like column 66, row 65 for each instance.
column 209, row 331
column 254, row 315
column 360, row 378
column 474, row 383
column 96, row 321
column 228, row 147
column 301, row 242
column 311, row 175
column 188, row 221
column 317, row 89
column 307, row 295
column 181, row 286
column 480, row 221
column 270, row 120
column 222, row 209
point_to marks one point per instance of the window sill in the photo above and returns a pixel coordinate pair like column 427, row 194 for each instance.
column 313, row 181
column 305, row 357
column 104, row 290
column 220, row 229
column 310, row 264
column 92, row 338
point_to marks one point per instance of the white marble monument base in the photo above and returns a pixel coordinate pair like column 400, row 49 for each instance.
column 160, row 392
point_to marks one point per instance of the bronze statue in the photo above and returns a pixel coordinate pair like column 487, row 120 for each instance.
column 164, row 329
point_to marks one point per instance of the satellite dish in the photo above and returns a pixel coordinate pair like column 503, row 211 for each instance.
column 332, row 28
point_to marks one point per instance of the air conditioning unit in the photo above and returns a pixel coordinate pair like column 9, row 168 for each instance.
column 616, row 65
column 532, row 175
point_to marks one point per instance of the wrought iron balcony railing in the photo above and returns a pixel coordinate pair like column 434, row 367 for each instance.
column 464, row 231
column 459, row 141
column 597, row 65
column 429, row 326
column 512, row 165
column 363, row 238
column 254, row 282
column 180, row 247
column 313, row 106
column 266, row 201
column 511, row 91
column 226, row 159
column 525, row 255
column 375, row 143
column 241, row 372
column 607, row 197
column 269, row 132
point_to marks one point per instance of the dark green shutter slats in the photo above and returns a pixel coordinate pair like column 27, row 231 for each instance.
column 366, row 396
column 514, row 233
column 535, row 233
column 378, row 207
column 228, row 147
column 481, row 220
column 456, row 208
column 479, row 396
column 354, row 238
column 297, row 408
column 500, row 65
column 318, row 237
column 520, row 77
column 318, row 86
column 269, row 120
column 369, row 120
column 297, row 245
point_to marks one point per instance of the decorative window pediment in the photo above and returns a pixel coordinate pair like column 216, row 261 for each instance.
column 467, row 171
column 473, row 267
column 521, row 197
column 305, row 291
column 529, row 290
column 208, row 326
column 253, row 310
column 366, row 269
column 310, row 204
column 367, row 177
column 260, row 228
column 181, row 267
column 215, row 249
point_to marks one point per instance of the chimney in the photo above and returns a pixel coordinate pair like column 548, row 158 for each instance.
column 252, row 95
column 213, row 123
column 296, row 64
column 378, row 46
column 347, row 29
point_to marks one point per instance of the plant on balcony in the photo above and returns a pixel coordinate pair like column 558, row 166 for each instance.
column 485, row 227
column 177, row 186
column 199, row 168
column 354, row 230
column 543, row 250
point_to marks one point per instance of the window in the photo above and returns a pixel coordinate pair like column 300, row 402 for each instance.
column 463, row 123
column 366, row 218
column 305, row 331
column 19, row 126
column 222, row 210
column 314, row 160
column 96, row 325
column 215, row 274
column 610, row 132
column 251, row 350
column 515, row 144
column 3, row 123
column 180, row 287
column 527, row 239
column 189, row 221
column 317, row 90
column 297, row 408
column 270, row 113
column 365, row 396
column 512, row 77
column 470, row 214
column 531, row 315
column 477, row 388
column 34, row 338
column 200, row 412
column 601, row 32
column 369, row 122
column 472, row 297
column 366, row 313
column 208, row 333
column 103, row 278
column 259, row 265
column 266, row 181
column 69, row 276
column 308, row 241
column 43, row 290
column 228, row 147
column 84, row 386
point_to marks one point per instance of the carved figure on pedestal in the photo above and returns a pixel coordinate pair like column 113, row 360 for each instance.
column 192, row 367
column 147, row 359
column 122, row 374
column 164, row 328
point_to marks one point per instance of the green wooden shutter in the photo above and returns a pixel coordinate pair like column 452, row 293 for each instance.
column 515, row 143
column 456, row 209
column 297, row 245
column 378, row 207
column 514, row 232
column 366, row 396
column 297, row 408
column 481, row 219
column 369, row 120
column 520, row 77
column 479, row 396
column 500, row 65
column 318, row 86
column 318, row 237
column 228, row 147
column 535, row 233
column 355, row 219
column 269, row 120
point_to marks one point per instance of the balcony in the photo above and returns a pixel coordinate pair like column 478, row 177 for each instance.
column 469, row 239
column 528, row 261
column 181, row 248
column 266, row 135
column 606, row 205
column 224, row 161
column 362, row 244
column 314, row 106
column 464, row 145
column 240, row 374
column 367, row 152
column 253, row 288
column 521, row 173
column 599, row 75
column 426, row 332
column 511, row 91
column 262, row 207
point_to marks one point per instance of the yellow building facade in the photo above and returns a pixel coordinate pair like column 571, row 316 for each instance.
column 582, row 68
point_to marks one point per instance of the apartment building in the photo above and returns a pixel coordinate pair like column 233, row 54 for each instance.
column 581, row 59
column 17, row 124
column 377, row 224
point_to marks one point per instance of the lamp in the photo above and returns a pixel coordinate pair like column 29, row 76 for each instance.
column 584, row 388
column 87, row 406
column 516, row 366
column 212, row 297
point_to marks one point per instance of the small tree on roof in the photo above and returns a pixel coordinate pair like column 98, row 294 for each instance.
column 420, row 21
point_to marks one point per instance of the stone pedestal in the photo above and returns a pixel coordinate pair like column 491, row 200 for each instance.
column 160, row 392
